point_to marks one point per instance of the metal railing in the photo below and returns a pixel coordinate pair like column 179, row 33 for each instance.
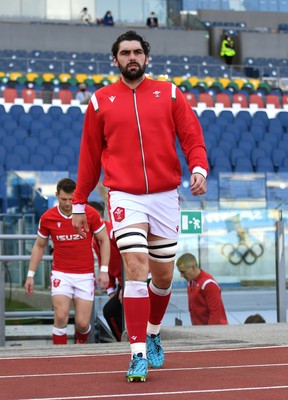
column 280, row 274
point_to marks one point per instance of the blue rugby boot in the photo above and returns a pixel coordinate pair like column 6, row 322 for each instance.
column 138, row 369
column 155, row 353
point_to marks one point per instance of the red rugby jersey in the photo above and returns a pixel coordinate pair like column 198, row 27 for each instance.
column 72, row 253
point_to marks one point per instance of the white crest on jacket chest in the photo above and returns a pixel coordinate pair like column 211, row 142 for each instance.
column 112, row 98
column 157, row 93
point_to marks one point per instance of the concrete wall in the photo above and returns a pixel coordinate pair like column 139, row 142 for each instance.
column 163, row 41
column 252, row 19
column 251, row 44
column 55, row 37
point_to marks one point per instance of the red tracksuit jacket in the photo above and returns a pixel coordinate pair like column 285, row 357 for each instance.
column 132, row 134
column 205, row 301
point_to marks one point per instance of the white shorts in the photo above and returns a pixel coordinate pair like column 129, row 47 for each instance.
column 73, row 285
column 160, row 210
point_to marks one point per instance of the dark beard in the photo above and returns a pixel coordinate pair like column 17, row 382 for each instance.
column 132, row 75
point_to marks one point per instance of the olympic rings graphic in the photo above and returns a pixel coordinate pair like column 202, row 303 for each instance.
column 235, row 254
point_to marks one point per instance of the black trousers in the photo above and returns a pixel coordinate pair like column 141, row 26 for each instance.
column 113, row 313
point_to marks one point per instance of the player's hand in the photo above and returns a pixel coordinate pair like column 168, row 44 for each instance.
column 198, row 184
column 79, row 222
column 29, row 286
column 103, row 280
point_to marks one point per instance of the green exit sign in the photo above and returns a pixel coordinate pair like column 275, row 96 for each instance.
column 191, row 222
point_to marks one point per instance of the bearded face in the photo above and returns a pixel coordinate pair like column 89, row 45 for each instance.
column 131, row 60
column 132, row 71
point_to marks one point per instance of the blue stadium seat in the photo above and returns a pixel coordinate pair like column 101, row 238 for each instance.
column 210, row 115
column 9, row 143
column 9, row 126
column 264, row 164
column 278, row 157
column 255, row 154
column 55, row 112
column 271, row 138
column 215, row 153
column 35, row 127
column 67, row 151
column 267, row 147
column 74, row 112
column 213, row 132
column 54, row 143
column 37, row 162
column 283, row 117
column 20, row 134
column 222, row 162
column 44, row 134
column 57, row 127
column 247, row 135
column 23, row 151
column 242, row 123
column 45, row 152
column 234, row 154
column 284, row 167
column 3, row 152
column 16, row 110
column 61, row 162
column 75, row 143
column 36, row 111
column 258, row 131
column 25, row 121
column 77, row 127
column 247, row 146
column 73, row 169
column 243, row 164
column 13, row 161
column 46, row 119
column 66, row 120
column 261, row 116
column 275, row 126
column 227, row 146
column 227, row 115
column 229, row 137
column 31, row 142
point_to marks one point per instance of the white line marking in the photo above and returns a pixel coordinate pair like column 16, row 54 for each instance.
column 125, row 395
column 121, row 354
column 150, row 370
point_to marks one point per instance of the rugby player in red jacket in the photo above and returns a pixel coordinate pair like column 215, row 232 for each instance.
column 72, row 275
column 204, row 294
column 130, row 131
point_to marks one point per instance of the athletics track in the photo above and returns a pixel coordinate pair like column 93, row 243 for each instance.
column 211, row 363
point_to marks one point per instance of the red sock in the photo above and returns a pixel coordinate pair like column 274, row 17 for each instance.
column 82, row 337
column 59, row 339
column 158, row 304
column 136, row 307
column 136, row 315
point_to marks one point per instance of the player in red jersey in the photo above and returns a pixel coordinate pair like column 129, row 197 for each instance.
column 72, row 275
column 113, row 309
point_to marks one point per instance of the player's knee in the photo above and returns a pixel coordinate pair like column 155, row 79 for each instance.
column 163, row 250
column 131, row 240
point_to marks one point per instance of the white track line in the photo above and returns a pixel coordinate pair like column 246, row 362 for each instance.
column 128, row 353
column 126, row 395
column 150, row 370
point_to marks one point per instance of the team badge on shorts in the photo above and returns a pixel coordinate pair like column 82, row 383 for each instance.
column 119, row 214
column 56, row 282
